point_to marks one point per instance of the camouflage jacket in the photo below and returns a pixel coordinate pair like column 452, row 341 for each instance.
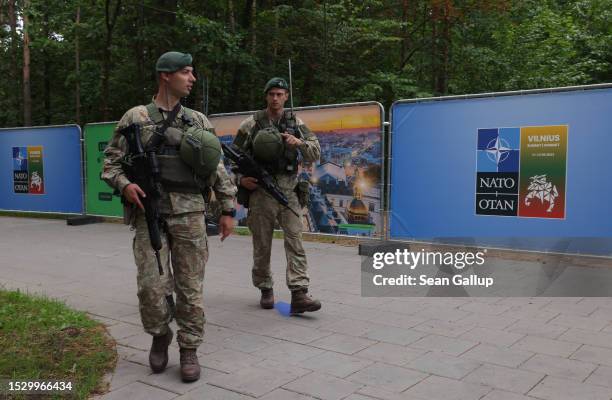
column 310, row 150
column 171, row 202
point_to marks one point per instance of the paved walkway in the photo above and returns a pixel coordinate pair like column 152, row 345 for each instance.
column 354, row 348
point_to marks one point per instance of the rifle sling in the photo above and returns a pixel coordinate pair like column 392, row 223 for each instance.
column 157, row 117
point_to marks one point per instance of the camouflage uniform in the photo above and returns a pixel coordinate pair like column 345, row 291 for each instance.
column 264, row 211
column 184, row 242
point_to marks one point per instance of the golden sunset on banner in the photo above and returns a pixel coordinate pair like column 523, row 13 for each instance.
column 346, row 183
column 319, row 120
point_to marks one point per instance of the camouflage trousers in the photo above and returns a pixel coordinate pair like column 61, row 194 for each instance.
column 264, row 211
column 183, row 256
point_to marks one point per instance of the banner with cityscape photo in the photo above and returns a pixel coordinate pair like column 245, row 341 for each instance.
column 346, row 183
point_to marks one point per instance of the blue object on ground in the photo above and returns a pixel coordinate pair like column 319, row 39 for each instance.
column 283, row 308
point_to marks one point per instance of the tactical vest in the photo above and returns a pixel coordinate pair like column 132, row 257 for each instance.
column 176, row 175
column 288, row 163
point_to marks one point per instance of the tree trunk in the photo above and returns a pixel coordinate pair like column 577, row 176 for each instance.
column 275, row 42
column 434, row 46
column 325, row 35
column 15, row 78
column 442, row 73
column 237, row 100
column 110, row 24
column 12, row 16
column 253, row 27
column 422, row 58
column 224, row 65
column 46, row 75
column 27, row 96
column 253, row 50
column 77, row 60
column 231, row 15
column 140, row 52
column 404, row 33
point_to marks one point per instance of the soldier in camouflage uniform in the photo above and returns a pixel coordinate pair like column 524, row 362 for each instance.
column 264, row 211
column 185, row 245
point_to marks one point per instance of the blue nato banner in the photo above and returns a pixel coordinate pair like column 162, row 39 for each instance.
column 42, row 169
column 501, row 168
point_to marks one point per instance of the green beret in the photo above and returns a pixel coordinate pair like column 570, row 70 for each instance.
column 173, row 61
column 276, row 83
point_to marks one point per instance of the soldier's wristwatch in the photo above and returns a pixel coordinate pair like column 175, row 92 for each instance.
column 229, row 213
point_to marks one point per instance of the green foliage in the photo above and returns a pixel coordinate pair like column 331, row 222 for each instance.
column 539, row 44
column 341, row 51
column 42, row 339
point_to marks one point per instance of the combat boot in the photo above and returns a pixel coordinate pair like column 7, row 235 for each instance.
column 190, row 368
column 158, row 356
column 301, row 302
column 267, row 299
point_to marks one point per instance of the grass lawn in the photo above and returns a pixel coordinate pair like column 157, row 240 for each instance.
column 42, row 339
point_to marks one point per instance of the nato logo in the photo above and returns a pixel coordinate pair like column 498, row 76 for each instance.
column 20, row 158
column 497, row 172
column 498, row 150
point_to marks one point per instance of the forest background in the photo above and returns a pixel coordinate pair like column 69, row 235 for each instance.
column 81, row 61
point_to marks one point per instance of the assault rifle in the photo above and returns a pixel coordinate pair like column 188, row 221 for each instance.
column 247, row 166
column 142, row 168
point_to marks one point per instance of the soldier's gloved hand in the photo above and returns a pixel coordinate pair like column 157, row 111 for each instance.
column 133, row 193
column 248, row 182
column 226, row 226
column 291, row 140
